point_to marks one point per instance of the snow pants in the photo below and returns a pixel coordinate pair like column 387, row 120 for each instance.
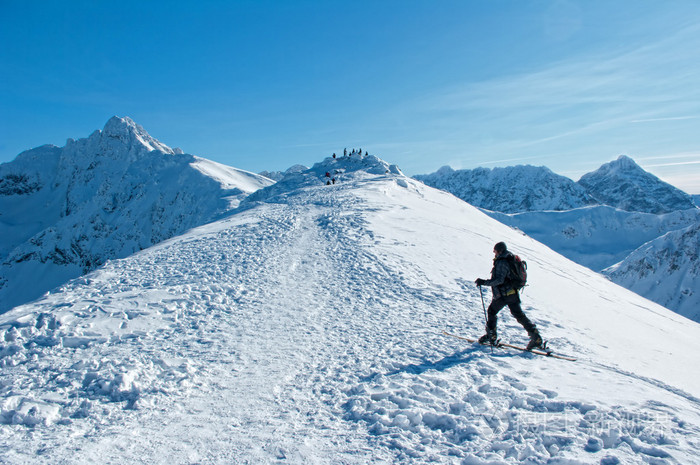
column 513, row 303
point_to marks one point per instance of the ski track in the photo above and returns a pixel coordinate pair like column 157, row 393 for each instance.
column 351, row 370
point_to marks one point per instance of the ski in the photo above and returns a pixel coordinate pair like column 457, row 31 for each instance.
column 545, row 353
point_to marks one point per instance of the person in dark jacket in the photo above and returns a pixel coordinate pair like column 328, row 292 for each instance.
column 504, row 294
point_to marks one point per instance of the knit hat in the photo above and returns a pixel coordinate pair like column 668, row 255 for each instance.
column 500, row 247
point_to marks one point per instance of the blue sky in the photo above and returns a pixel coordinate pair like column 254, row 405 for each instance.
column 262, row 85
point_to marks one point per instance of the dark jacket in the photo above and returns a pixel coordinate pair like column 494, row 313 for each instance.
column 500, row 281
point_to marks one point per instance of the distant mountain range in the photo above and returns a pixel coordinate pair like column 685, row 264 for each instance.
column 620, row 184
column 511, row 189
column 607, row 217
column 66, row 210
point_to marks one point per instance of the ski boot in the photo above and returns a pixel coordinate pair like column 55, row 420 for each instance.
column 489, row 339
column 536, row 341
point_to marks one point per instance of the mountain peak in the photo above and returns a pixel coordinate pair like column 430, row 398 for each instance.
column 624, row 184
column 445, row 171
column 117, row 125
column 623, row 163
column 127, row 131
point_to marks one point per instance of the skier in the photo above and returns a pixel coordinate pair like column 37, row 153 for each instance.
column 504, row 294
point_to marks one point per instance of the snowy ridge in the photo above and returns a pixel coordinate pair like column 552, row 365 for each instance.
column 665, row 270
column 65, row 211
column 510, row 190
column 625, row 185
column 305, row 328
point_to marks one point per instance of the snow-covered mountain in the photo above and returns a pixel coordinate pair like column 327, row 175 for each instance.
column 600, row 236
column 665, row 270
column 510, row 190
column 277, row 175
column 624, row 184
column 66, row 210
column 515, row 189
column 306, row 328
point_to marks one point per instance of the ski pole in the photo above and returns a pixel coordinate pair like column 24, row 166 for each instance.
column 486, row 318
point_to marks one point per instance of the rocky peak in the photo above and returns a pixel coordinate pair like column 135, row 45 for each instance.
column 624, row 184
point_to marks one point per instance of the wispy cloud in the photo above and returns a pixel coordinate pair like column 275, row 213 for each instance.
column 669, row 118
column 672, row 156
column 580, row 97
column 682, row 163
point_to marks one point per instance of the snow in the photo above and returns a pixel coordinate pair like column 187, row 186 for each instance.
column 666, row 270
column 65, row 211
column 305, row 328
column 228, row 177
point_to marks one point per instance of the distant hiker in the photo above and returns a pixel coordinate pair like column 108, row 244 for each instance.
column 504, row 293
column 334, row 155
column 333, row 180
column 328, row 174
column 328, row 183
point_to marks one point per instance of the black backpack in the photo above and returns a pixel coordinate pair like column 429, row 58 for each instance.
column 518, row 272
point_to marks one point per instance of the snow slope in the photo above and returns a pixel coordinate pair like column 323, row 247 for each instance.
column 600, row 236
column 511, row 189
column 65, row 211
column 624, row 184
column 305, row 328
column 666, row 270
